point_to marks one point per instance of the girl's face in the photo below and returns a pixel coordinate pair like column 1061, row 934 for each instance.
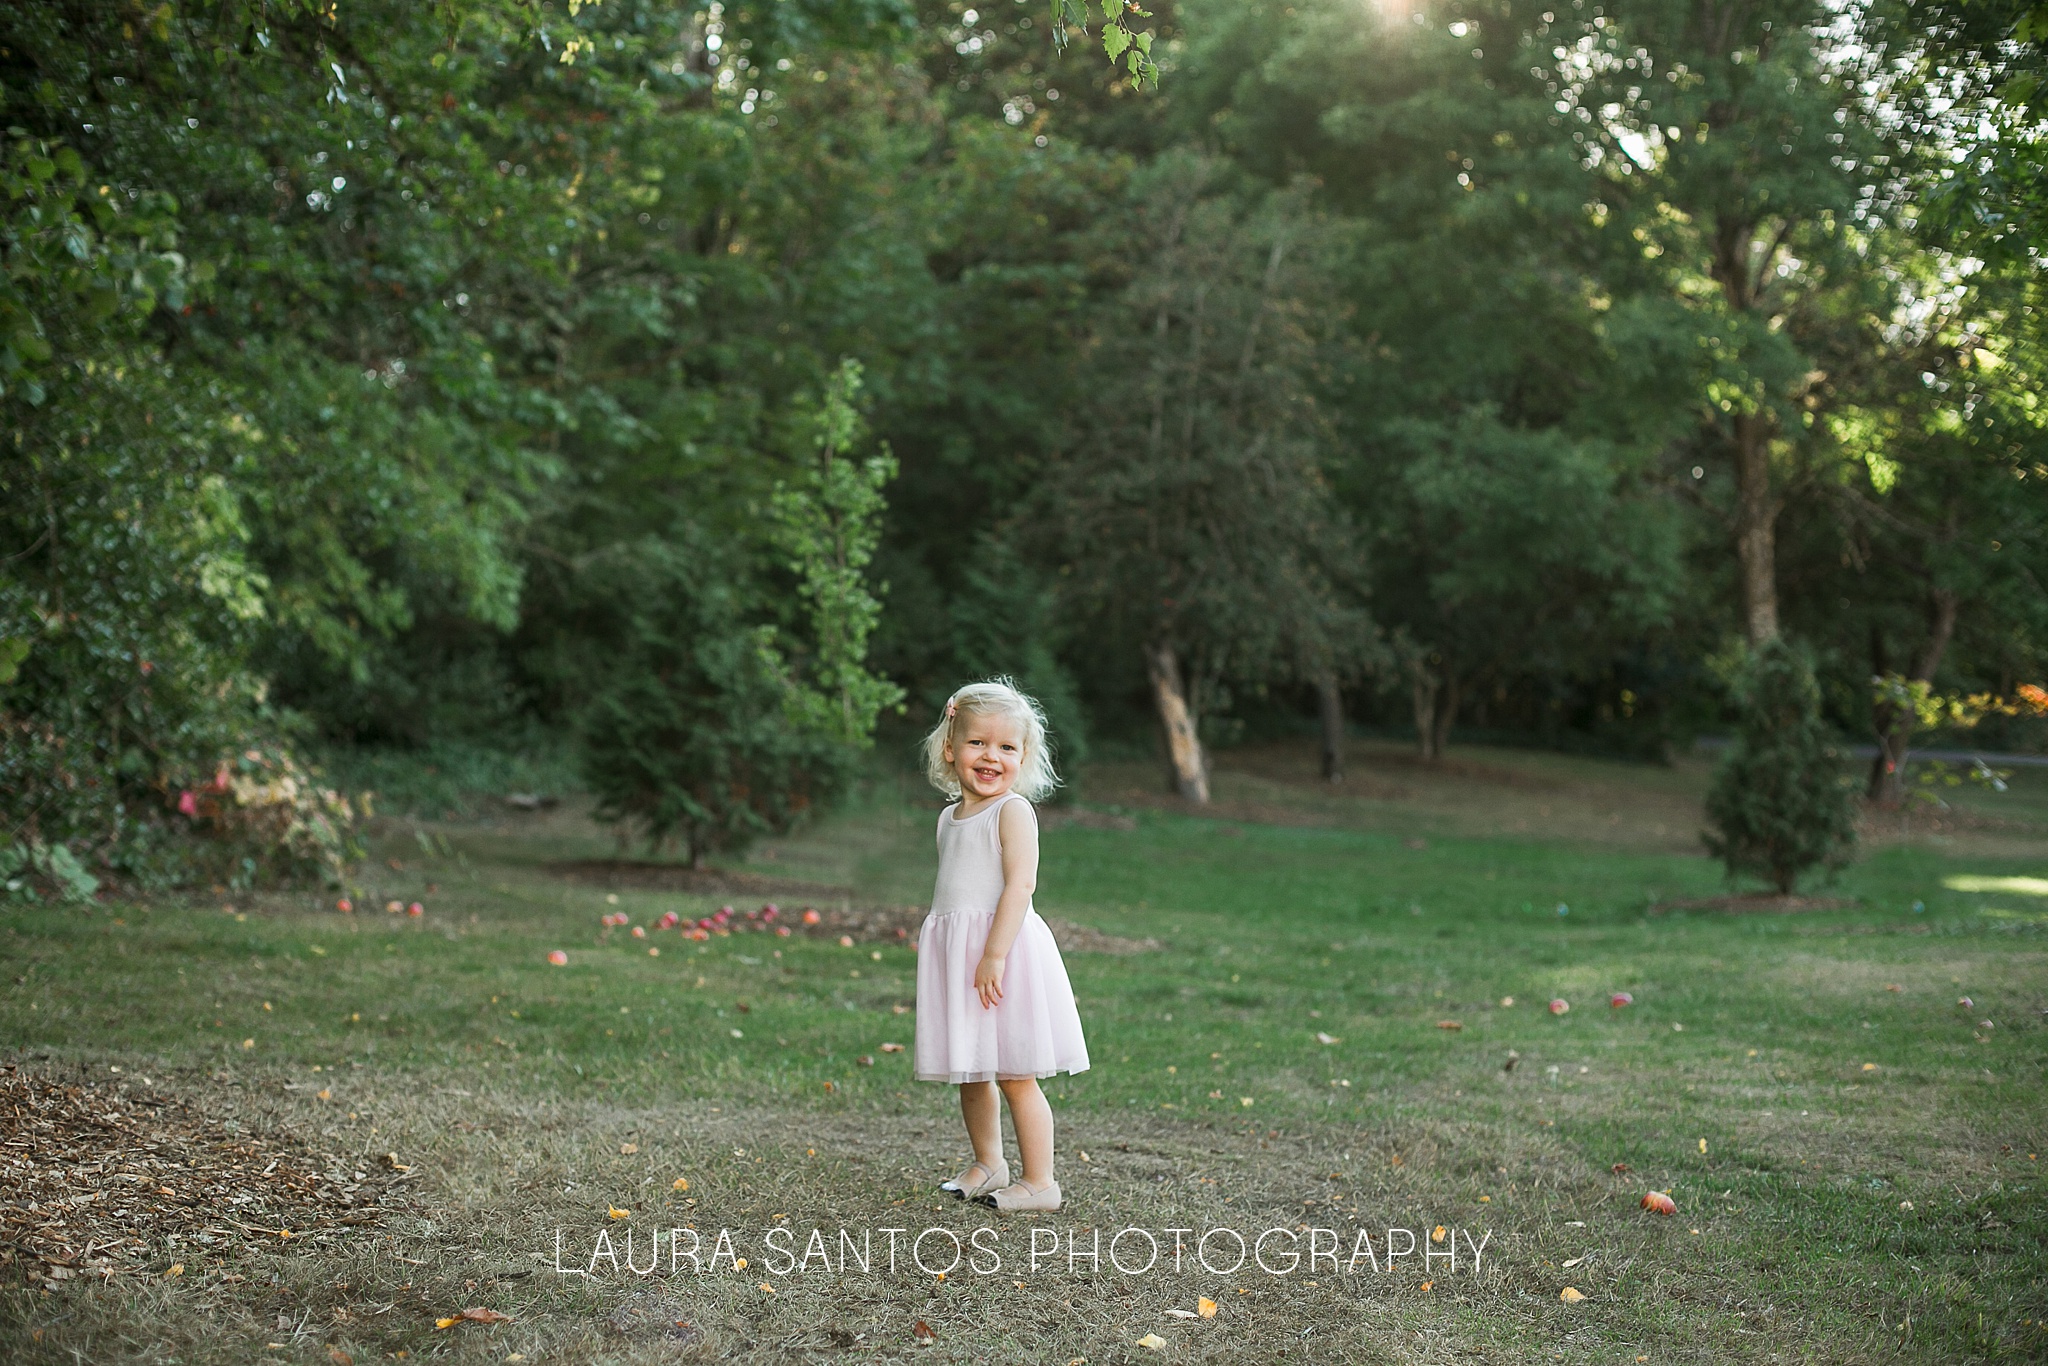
column 985, row 752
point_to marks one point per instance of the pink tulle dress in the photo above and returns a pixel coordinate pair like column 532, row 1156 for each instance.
column 1034, row 1031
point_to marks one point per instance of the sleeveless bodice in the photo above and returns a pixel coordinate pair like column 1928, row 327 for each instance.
column 970, row 860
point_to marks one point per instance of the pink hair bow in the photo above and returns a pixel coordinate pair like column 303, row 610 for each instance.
column 951, row 707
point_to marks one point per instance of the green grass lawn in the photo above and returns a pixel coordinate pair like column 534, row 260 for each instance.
column 1851, row 1151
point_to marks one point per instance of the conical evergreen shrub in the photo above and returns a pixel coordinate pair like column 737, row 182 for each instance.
column 1781, row 803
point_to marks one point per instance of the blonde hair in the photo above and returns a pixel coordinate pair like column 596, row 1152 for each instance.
column 1036, row 776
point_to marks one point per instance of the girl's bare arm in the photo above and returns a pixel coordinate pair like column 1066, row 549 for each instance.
column 1017, row 826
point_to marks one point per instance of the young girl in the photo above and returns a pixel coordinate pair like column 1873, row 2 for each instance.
column 993, row 1005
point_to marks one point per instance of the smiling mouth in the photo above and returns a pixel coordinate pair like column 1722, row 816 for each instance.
column 988, row 775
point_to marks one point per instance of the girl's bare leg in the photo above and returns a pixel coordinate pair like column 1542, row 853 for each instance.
column 1032, row 1118
column 982, row 1113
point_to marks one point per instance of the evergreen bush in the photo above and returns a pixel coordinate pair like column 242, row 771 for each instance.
column 695, row 738
column 1781, row 803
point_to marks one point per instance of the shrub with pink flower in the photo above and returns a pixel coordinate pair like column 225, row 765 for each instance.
column 272, row 820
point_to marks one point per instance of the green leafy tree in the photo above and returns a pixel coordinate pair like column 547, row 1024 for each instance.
column 712, row 726
column 1780, row 804
column 699, row 735
column 828, row 520
column 1192, row 511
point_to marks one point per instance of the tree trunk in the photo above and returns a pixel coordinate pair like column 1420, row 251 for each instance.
column 1423, row 691
column 1187, row 765
column 1756, row 518
column 1446, row 713
column 1893, row 723
column 1330, row 699
column 1436, row 706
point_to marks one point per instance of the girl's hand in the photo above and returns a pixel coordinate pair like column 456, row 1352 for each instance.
column 988, row 981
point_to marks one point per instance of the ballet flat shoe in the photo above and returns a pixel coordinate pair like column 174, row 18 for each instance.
column 998, row 1176
column 1019, row 1196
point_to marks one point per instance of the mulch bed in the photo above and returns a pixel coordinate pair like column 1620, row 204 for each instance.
column 1758, row 904
column 101, row 1177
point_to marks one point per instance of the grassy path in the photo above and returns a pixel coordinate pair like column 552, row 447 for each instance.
column 1852, row 1153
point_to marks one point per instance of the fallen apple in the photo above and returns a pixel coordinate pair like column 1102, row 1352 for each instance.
column 1559, row 1005
column 1657, row 1202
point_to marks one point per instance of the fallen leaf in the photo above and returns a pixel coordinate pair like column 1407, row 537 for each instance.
column 892, row 1048
column 922, row 1331
column 628, row 1149
column 1206, row 1307
column 1427, row 1285
column 1507, row 1001
column 682, row 1183
column 1572, row 1263
column 339, row 1357
column 1660, row 1203
column 1449, row 1024
column 1152, row 1342
column 391, row 1161
column 1703, row 1147
column 865, row 1060
column 1893, row 986
column 1570, row 1295
column 1618, row 1168
column 1180, row 1313
column 324, row 1094
column 767, row 1289
column 177, row 1269
column 616, row 1212
column 479, row 1314
column 1870, row 1067
column 1326, row 1039
column 1436, row 1235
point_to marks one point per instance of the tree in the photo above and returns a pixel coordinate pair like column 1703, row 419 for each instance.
column 701, row 733
column 1780, row 804
column 713, row 726
column 1935, row 548
column 1192, row 509
column 1731, row 144
column 1513, row 555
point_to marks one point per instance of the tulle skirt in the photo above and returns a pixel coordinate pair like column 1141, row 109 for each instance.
column 1035, row 1031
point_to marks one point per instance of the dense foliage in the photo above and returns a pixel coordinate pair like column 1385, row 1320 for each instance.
column 395, row 375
